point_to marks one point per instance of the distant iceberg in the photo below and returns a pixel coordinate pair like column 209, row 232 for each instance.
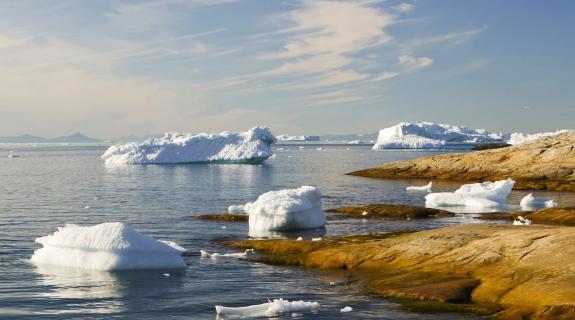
column 428, row 135
column 284, row 210
column 285, row 137
column 475, row 195
column 251, row 147
column 106, row 246
column 519, row 138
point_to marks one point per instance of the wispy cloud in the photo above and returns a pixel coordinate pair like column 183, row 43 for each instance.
column 404, row 7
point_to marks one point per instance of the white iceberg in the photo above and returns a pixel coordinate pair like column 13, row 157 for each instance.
column 283, row 210
column 270, row 308
column 251, row 147
column 426, row 187
column 106, row 246
column 356, row 142
column 346, row 309
column 428, row 135
column 521, row 221
column 475, row 195
column 517, row 138
column 285, row 137
column 529, row 202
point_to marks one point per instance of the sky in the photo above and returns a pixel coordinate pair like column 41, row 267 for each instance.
column 112, row 68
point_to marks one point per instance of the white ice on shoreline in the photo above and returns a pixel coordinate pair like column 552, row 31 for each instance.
column 428, row 135
column 270, row 308
column 517, row 138
column 283, row 210
column 521, row 221
column 106, row 246
column 529, row 202
column 475, row 195
column 253, row 146
column 426, row 187
column 215, row 255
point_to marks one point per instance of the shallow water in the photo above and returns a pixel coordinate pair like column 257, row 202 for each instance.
column 49, row 186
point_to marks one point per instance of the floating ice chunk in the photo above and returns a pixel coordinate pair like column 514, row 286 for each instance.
column 319, row 149
column 356, row 142
column 426, row 187
column 476, row 195
column 365, row 213
column 299, row 239
column 106, row 246
column 253, row 146
column 215, row 255
column 270, row 308
column 428, row 135
column 332, row 283
column 301, row 147
column 517, row 138
column 289, row 209
column 166, row 274
column 346, row 309
column 521, row 221
column 529, row 202
column 315, row 239
column 13, row 156
column 86, row 207
column 236, row 209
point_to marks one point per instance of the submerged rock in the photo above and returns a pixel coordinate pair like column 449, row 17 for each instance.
column 506, row 271
column 228, row 217
column 378, row 211
column 545, row 163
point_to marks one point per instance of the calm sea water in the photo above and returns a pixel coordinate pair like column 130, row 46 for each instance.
column 49, row 186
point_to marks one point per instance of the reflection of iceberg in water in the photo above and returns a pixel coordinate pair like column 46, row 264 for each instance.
column 101, row 291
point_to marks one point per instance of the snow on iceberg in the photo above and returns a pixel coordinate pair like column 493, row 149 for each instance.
column 253, row 146
column 529, row 202
column 426, row 187
column 283, row 210
column 428, row 135
column 270, row 308
column 106, row 246
column 475, row 195
column 519, row 138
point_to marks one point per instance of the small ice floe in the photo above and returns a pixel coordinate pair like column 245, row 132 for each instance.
column 13, row 156
column 426, row 188
column 166, row 274
column 476, row 195
column 106, row 247
column 283, row 210
column 299, row 239
column 238, row 255
column 364, row 220
column 224, row 227
column 86, row 207
column 346, row 309
column 365, row 213
column 529, row 202
column 301, row 147
column 332, row 283
column 315, row 239
column 521, row 221
column 270, row 308
column 319, row 149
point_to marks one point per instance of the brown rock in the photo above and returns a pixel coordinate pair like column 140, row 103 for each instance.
column 546, row 163
column 223, row 217
column 527, row 271
column 561, row 216
column 378, row 211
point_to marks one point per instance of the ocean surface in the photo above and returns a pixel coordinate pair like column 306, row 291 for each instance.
column 51, row 185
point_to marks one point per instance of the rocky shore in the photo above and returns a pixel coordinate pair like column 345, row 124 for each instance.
column 560, row 216
column 378, row 211
column 509, row 272
column 545, row 163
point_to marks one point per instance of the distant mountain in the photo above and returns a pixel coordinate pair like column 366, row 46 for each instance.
column 350, row 137
column 74, row 138
column 26, row 138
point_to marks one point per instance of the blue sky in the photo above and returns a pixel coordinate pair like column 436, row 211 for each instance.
column 114, row 68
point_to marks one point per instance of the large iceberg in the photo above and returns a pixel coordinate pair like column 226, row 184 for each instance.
column 517, row 138
column 475, row 195
column 106, row 246
column 283, row 210
column 253, row 146
column 428, row 135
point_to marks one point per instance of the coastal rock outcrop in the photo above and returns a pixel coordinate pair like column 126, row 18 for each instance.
column 545, row 163
column 378, row 211
column 509, row 272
